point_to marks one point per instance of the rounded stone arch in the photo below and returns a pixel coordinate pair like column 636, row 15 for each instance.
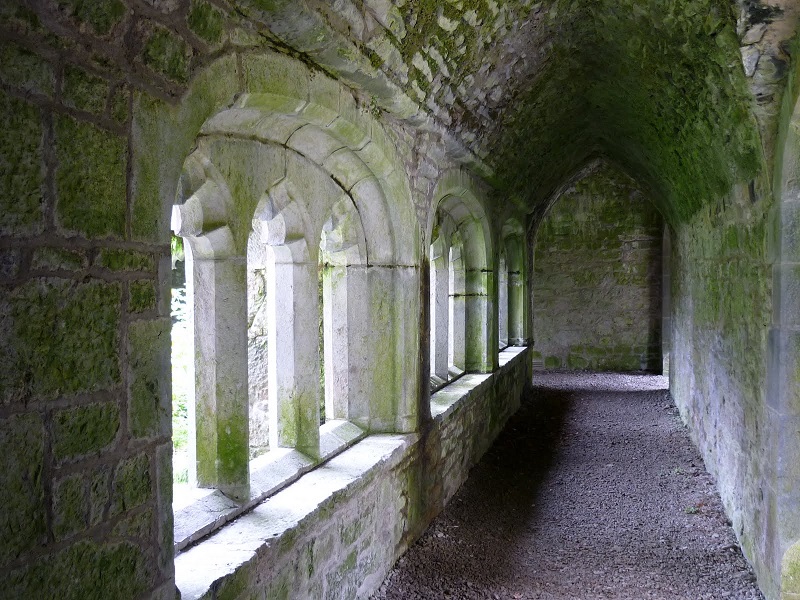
column 277, row 101
column 272, row 97
column 459, row 204
column 783, row 359
column 464, row 195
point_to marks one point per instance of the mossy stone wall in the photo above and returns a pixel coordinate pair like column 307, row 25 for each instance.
column 722, row 310
column 597, row 278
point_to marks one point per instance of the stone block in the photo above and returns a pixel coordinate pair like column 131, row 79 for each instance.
column 132, row 485
column 125, row 260
column 206, row 21
column 314, row 143
column 21, row 168
column 84, row 91
column 90, row 179
column 23, row 518
column 136, row 525
column 352, row 134
column 83, row 571
column 25, row 70
column 278, row 76
column 149, row 407
column 102, row 16
column 142, row 296
column 790, row 570
column 70, row 509
column 9, row 263
column 98, row 494
column 323, row 106
column 347, row 167
column 58, row 259
column 59, row 337
column 166, row 523
column 120, row 99
column 168, row 54
column 84, row 430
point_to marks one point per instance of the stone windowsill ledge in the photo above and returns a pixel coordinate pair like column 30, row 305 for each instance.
column 212, row 563
column 509, row 353
column 444, row 401
column 199, row 569
column 199, row 512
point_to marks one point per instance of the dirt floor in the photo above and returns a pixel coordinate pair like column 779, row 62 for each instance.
column 592, row 491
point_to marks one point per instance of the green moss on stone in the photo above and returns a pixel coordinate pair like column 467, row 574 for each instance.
column 148, row 358
column 790, row 571
column 98, row 495
column 119, row 104
column 125, row 260
column 58, row 259
column 137, row 525
column 142, row 296
column 102, row 15
column 552, row 362
column 84, row 430
column 22, row 69
column 205, row 21
column 59, row 337
column 237, row 585
column 23, row 518
column 658, row 89
column 168, row 54
column 90, row 184
column 84, row 91
column 84, row 571
column 69, row 506
column 9, row 262
column 132, row 484
column 19, row 15
column 21, row 167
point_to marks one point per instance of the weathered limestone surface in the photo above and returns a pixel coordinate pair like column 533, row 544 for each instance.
column 597, row 277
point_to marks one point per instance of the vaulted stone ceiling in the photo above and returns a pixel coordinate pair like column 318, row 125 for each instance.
column 682, row 94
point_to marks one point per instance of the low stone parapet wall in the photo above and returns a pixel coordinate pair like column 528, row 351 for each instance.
column 337, row 530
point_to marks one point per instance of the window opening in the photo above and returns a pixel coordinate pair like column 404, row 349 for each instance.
column 457, row 310
column 325, row 329
column 257, row 345
column 181, row 311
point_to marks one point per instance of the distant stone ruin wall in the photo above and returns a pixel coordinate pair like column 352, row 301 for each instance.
column 597, row 278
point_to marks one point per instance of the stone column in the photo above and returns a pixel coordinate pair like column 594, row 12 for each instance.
column 477, row 308
column 503, row 301
column 346, row 324
column 294, row 387
column 440, row 315
column 219, row 284
column 457, row 325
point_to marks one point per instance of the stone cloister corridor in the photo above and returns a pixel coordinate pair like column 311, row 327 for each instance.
column 386, row 223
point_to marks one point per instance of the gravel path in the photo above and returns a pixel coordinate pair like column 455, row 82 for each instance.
column 592, row 491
